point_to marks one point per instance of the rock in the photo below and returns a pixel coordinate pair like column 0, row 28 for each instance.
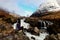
column 36, row 30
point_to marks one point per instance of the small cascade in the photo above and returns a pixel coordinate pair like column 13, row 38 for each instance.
column 17, row 25
column 44, row 24
column 23, row 24
column 14, row 26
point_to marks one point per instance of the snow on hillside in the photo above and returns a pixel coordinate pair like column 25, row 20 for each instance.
column 49, row 5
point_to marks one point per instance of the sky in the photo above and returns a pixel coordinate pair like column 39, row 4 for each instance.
column 21, row 7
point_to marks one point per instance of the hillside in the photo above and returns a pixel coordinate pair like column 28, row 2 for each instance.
column 6, row 21
column 5, row 16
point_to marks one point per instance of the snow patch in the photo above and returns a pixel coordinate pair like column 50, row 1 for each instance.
column 49, row 5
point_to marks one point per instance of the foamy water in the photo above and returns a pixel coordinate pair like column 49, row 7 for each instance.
column 42, row 36
column 29, row 35
column 25, row 25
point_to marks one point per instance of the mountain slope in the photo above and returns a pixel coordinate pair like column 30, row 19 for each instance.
column 46, row 7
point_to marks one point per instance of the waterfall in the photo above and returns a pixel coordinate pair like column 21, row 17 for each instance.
column 17, row 25
column 24, row 24
column 44, row 24
column 29, row 35
column 14, row 26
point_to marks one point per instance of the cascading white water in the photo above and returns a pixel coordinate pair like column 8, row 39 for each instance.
column 42, row 35
column 45, row 26
column 24, row 24
column 29, row 35
column 14, row 26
